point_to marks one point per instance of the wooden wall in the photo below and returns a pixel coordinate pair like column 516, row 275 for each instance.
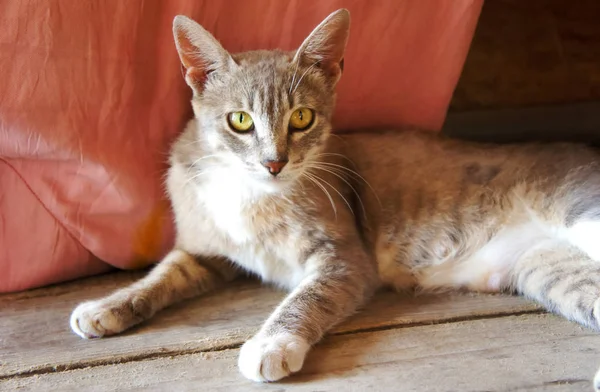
column 532, row 52
column 532, row 73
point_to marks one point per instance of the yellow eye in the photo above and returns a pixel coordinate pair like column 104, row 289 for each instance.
column 240, row 121
column 301, row 119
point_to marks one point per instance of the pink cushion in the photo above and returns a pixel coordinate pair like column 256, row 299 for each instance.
column 91, row 96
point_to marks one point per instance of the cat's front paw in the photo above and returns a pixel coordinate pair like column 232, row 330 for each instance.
column 271, row 358
column 94, row 319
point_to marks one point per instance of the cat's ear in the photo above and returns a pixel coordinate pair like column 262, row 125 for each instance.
column 199, row 52
column 326, row 45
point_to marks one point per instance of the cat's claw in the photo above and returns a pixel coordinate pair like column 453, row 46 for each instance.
column 92, row 320
column 271, row 358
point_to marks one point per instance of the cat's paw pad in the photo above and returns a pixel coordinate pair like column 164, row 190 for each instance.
column 94, row 320
column 271, row 358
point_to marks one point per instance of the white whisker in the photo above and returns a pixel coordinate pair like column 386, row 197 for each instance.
column 337, row 155
column 354, row 173
column 193, row 142
column 193, row 164
column 335, row 189
column 302, row 77
column 316, row 182
column 338, row 174
column 200, row 173
column 293, row 77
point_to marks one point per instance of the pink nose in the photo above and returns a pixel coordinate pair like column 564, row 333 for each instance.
column 274, row 167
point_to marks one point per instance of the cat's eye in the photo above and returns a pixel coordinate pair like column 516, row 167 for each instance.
column 240, row 122
column 301, row 119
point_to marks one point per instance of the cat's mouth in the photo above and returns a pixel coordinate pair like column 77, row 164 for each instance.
column 279, row 183
column 278, row 180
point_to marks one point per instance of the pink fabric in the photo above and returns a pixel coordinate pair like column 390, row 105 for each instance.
column 91, row 96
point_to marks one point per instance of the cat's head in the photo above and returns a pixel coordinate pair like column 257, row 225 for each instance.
column 264, row 114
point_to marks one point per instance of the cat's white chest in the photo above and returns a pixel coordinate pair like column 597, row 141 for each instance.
column 235, row 234
column 225, row 201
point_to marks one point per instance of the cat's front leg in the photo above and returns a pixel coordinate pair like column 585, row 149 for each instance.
column 177, row 277
column 324, row 298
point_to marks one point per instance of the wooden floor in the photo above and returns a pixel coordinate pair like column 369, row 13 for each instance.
column 458, row 342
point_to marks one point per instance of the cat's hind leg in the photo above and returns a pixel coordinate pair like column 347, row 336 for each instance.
column 585, row 235
column 579, row 201
column 178, row 276
column 562, row 278
column 565, row 275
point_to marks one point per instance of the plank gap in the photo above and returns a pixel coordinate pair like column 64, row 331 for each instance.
column 166, row 353
column 449, row 320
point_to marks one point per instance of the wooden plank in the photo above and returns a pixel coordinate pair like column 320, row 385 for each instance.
column 530, row 352
column 35, row 334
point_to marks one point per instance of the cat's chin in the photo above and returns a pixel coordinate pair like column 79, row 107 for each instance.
column 271, row 185
column 275, row 185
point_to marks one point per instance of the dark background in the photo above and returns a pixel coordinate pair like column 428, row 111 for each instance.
column 532, row 73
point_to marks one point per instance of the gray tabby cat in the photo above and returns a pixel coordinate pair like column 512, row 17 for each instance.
column 259, row 184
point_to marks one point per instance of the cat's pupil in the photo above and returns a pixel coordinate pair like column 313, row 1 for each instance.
column 241, row 118
column 300, row 114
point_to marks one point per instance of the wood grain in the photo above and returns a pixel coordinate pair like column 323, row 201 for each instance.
column 533, row 52
column 35, row 336
column 530, row 352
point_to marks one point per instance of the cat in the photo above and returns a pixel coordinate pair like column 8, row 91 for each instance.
column 259, row 184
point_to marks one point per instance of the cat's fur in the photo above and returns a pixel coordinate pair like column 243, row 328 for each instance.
column 349, row 214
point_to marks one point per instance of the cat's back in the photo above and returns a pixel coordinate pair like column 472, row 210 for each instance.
column 442, row 164
column 421, row 176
